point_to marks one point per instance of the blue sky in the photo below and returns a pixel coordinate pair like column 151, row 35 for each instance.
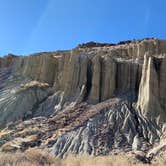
column 29, row 26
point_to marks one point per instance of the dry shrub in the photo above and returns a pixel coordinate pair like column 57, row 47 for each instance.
column 95, row 161
column 8, row 159
column 33, row 157
column 39, row 157
column 113, row 160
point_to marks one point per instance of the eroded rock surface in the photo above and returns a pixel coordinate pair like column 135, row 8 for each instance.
column 95, row 99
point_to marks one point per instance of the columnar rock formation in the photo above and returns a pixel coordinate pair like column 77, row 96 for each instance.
column 152, row 98
column 95, row 99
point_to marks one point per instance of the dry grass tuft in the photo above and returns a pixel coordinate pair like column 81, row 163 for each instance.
column 34, row 157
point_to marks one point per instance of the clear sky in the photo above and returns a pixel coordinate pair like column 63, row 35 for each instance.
column 29, row 26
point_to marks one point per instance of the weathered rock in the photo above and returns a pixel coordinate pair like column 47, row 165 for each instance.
column 151, row 98
column 20, row 102
column 94, row 99
column 108, row 78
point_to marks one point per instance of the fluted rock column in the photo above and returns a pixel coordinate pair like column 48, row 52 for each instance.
column 162, row 84
column 37, row 67
column 127, row 76
column 75, row 77
column 94, row 96
column 151, row 100
column 108, row 80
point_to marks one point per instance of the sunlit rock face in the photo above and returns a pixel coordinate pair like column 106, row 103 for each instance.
column 152, row 98
column 94, row 99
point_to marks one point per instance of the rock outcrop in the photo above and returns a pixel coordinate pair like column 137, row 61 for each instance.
column 152, row 101
column 95, row 99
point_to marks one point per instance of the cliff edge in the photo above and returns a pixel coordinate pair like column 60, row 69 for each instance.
column 95, row 99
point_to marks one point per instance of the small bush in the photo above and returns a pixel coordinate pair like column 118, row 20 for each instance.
column 34, row 157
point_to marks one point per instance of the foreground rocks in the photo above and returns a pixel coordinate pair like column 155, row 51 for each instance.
column 96, row 99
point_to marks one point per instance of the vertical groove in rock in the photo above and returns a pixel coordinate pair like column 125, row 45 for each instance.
column 94, row 99
column 89, row 80
column 101, row 77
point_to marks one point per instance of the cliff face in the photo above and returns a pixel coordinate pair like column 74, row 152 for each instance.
column 93, row 99
column 152, row 101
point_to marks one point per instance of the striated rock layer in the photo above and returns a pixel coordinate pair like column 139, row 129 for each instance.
column 95, row 99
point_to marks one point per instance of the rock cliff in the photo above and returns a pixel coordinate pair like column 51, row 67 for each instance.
column 95, row 99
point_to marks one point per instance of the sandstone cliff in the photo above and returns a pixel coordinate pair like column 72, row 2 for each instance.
column 95, row 99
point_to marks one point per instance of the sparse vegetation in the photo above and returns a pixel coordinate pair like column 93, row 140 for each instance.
column 31, row 157
column 34, row 157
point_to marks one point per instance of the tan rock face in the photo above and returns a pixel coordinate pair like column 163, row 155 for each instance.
column 94, row 74
column 108, row 78
column 39, row 67
column 77, row 88
column 151, row 99
column 94, row 96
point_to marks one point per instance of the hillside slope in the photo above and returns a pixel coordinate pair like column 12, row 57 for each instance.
column 96, row 99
